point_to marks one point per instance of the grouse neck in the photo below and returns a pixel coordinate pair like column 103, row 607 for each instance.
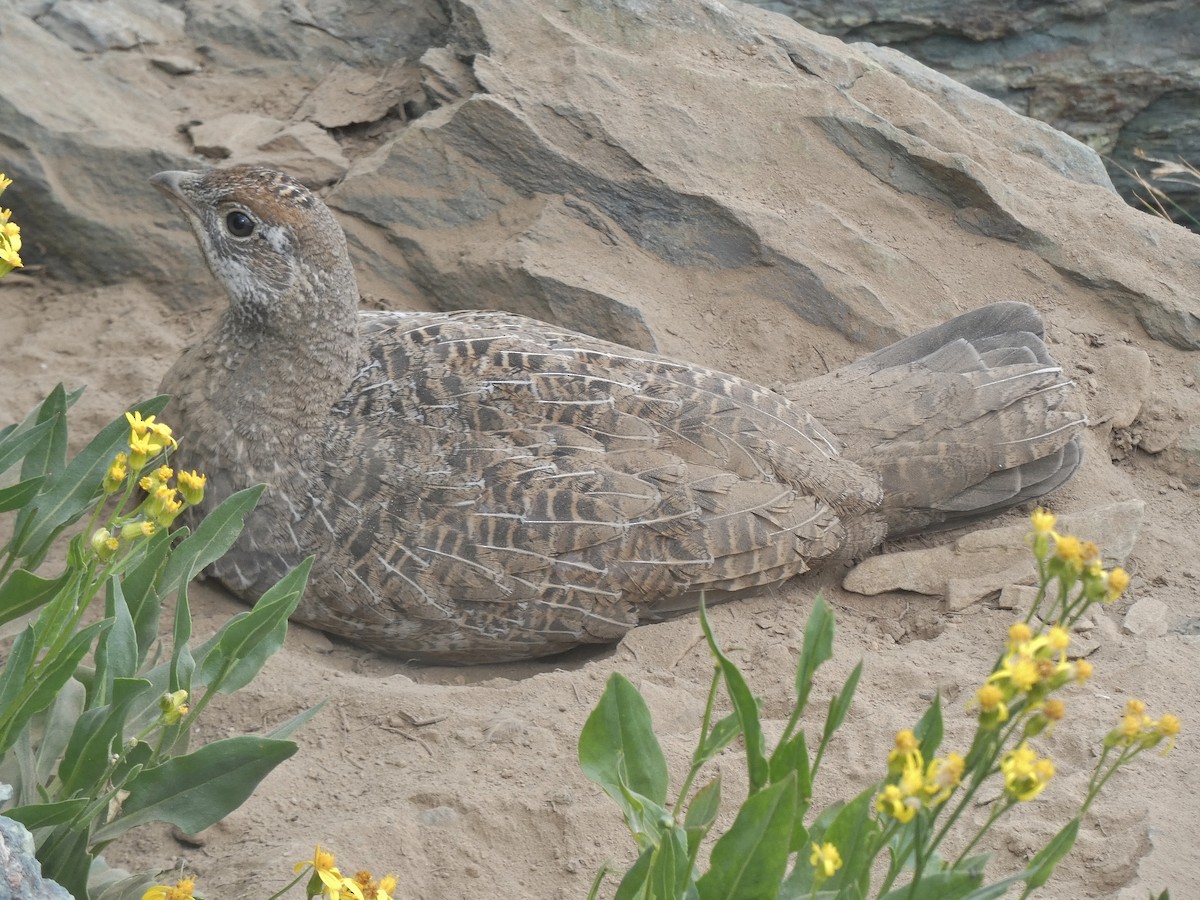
column 289, row 369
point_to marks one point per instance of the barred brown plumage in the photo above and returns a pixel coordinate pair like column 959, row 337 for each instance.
column 478, row 486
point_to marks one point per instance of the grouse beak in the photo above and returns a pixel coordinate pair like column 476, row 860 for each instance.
column 175, row 186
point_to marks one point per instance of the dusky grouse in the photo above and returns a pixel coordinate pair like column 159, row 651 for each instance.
column 477, row 486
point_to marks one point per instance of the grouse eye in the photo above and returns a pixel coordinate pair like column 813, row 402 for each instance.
column 239, row 224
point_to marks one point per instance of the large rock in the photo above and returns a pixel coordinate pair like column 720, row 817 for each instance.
column 1122, row 75
column 670, row 147
column 599, row 164
column 79, row 136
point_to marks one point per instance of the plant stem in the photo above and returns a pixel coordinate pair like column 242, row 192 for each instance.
column 996, row 813
column 697, row 761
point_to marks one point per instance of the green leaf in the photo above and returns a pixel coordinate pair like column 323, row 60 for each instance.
column 98, row 734
column 670, row 871
column 818, row 649
column 954, row 884
column 791, row 757
column 182, row 663
column 66, row 859
column 617, row 745
column 16, row 443
column 24, row 592
column 853, row 832
column 47, row 683
column 116, row 651
column 633, row 885
column 19, row 494
column 71, row 492
column 702, row 812
column 744, row 706
column 201, row 788
column 44, row 815
column 294, row 724
column 60, row 722
column 749, row 861
column 1042, row 866
column 213, row 537
column 141, row 591
column 720, row 736
column 929, row 729
column 839, row 706
column 243, row 646
column 49, row 454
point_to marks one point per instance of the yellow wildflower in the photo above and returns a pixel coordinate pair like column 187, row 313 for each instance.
column 992, row 709
column 1044, row 717
column 387, row 884
column 162, row 432
column 943, row 776
column 912, row 781
column 1117, row 581
column 1131, row 727
column 10, row 236
column 103, row 544
column 328, row 874
column 174, row 707
column 1135, row 707
column 1083, row 671
column 137, row 425
column 142, row 447
column 893, row 803
column 1069, row 549
column 826, row 859
column 1025, row 775
column 1058, row 639
column 1043, row 520
column 1043, row 524
column 905, row 753
column 164, row 505
column 181, row 891
column 134, row 530
column 116, row 474
column 1019, row 633
column 191, row 485
column 1024, row 674
column 1168, row 727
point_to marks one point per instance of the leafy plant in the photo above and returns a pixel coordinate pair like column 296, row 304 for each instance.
column 778, row 849
column 94, row 721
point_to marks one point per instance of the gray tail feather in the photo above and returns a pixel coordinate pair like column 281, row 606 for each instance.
column 959, row 421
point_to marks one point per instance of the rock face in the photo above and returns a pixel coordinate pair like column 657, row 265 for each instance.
column 596, row 165
column 1119, row 76
column 20, row 872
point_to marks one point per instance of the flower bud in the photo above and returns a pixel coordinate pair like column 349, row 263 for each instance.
column 191, row 485
column 103, row 544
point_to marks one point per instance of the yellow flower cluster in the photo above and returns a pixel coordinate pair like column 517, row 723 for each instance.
column 1072, row 559
column 10, row 236
column 1025, row 774
column 181, row 891
column 1033, row 666
column 1138, row 730
column 163, row 503
column 147, row 438
column 173, row 706
column 335, row 885
column 913, row 785
column 825, row 859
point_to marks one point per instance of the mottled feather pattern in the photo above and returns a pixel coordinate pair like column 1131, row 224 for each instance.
column 481, row 486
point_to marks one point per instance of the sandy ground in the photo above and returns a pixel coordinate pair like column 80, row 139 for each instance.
column 465, row 783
